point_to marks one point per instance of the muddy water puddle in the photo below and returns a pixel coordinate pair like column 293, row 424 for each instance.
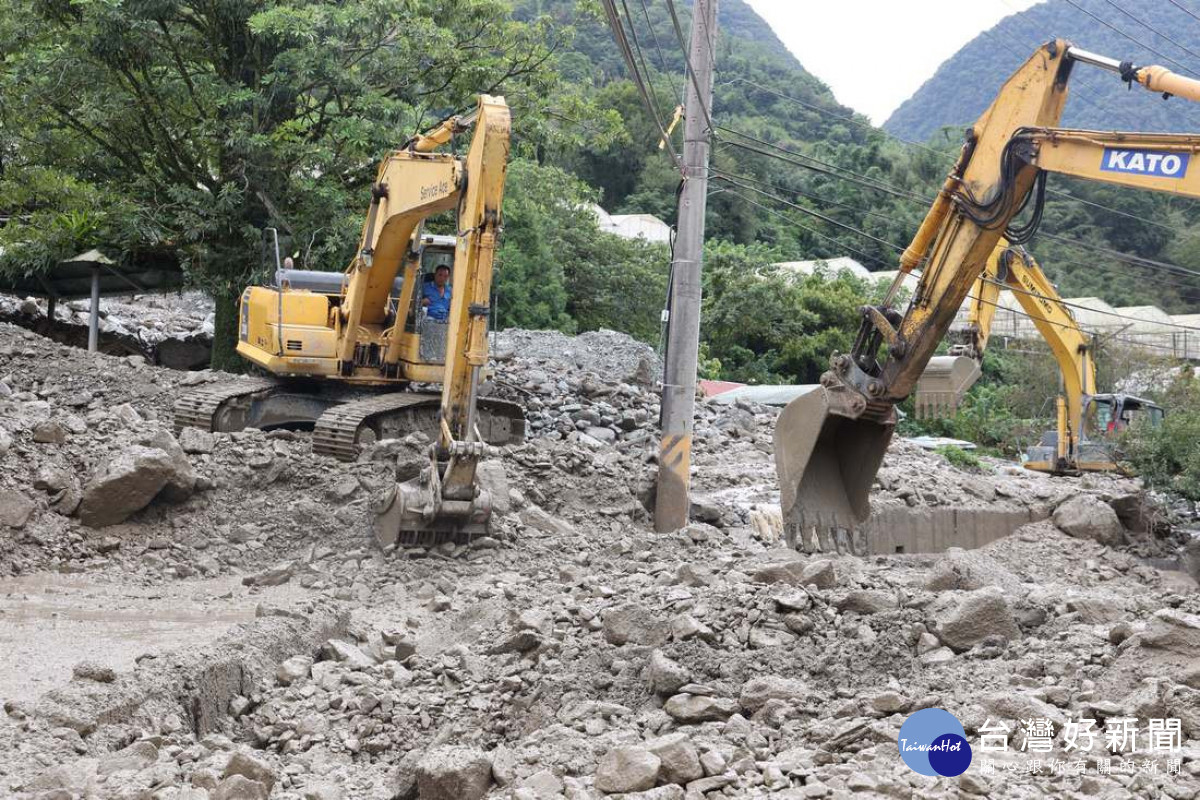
column 49, row 622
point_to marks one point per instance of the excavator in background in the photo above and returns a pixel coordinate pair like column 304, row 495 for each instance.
column 1086, row 421
column 830, row 443
column 329, row 343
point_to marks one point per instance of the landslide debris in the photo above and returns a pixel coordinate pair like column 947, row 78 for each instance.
column 573, row 653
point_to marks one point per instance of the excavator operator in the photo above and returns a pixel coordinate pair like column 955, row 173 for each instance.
column 436, row 294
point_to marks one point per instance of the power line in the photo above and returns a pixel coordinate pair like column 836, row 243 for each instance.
column 883, row 186
column 809, row 211
column 842, row 246
column 1126, row 257
column 861, row 254
column 618, row 29
column 687, row 60
column 1120, row 32
column 1153, row 30
column 1041, row 296
column 1184, row 10
column 822, row 167
column 902, row 140
column 662, row 58
column 898, row 248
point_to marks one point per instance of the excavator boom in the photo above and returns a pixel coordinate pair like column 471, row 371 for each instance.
column 830, row 443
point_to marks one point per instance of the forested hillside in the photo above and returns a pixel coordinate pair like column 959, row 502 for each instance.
column 964, row 84
column 181, row 131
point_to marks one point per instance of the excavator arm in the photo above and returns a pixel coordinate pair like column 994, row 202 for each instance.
column 830, row 443
column 447, row 496
column 942, row 384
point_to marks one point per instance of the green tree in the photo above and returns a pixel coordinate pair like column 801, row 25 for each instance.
column 1168, row 457
column 208, row 122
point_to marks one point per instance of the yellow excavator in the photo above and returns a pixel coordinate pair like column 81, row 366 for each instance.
column 830, row 443
column 1073, row 446
column 331, row 342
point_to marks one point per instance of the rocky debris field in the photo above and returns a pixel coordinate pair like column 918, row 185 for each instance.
column 572, row 653
column 174, row 330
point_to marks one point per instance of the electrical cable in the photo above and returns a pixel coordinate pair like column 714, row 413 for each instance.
column 1184, row 10
column 618, row 29
column 898, row 248
column 927, row 148
column 662, row 58
column 1120, row 32
column 687, row 59
column 1153, row 30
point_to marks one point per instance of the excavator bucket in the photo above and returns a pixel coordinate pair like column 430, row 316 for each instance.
column 828, row 447
column 943, row 383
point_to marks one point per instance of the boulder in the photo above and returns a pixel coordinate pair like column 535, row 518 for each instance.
column 1087, row 517
column 666, row 677
column 692, row 708
column 124, row 485
column 627, row 769
column 15, row 508
column 1173, row 630
column 820, row 573
column 251, row 766
column 634, row 624
column 182, row 481
column 680, row 758
column 194, row 440
column 453, row 773
column 964, row 622
column 757, row 691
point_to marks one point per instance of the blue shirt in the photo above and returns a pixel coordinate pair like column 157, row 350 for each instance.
column 439, row 304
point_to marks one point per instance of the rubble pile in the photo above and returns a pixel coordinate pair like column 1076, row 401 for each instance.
column 174, row 330
column 572, row 653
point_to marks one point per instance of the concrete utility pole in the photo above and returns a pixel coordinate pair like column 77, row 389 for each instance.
column 683, row 327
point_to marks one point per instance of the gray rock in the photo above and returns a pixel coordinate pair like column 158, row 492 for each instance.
column 690, row 708
column 347, row 653
column 15, row 508
column 1173, row 630
column 49, row 432
column 627, row 769
column 680, row 758
column 133, row 758
column 867, row 601
column 252, row 767
column 666, row 677
column 602, row 435
column 757, row 691
column 124, row 485
column 182, row 480
column 275, row 576
column 889, row 702
column 965, row 622
column 194, row 440
column 239, row 787
column 634, row 624
column 1088, row 517
column 293, row 669
column 93, row 671
column 453, row 773
column 820, row 573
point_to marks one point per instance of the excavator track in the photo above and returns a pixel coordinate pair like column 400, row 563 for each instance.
column 337, row 431
column 201, row 407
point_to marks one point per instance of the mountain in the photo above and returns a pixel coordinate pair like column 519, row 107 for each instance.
column 966, row 83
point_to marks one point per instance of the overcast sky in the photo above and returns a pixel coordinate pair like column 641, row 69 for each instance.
column 875, row 53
